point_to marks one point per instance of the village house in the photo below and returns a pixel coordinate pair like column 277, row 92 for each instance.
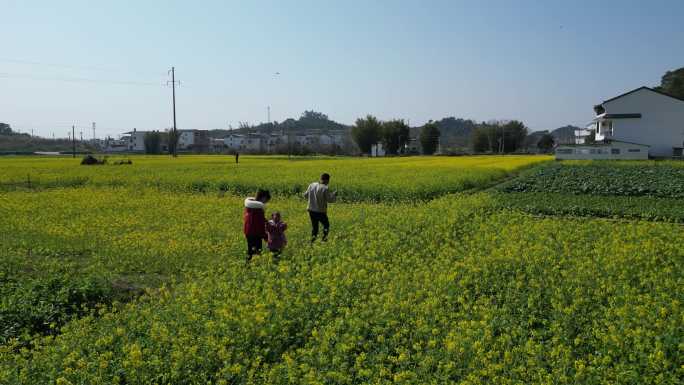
column 115, row 145
column 195, row 140
column 217, row 145
column 635, row 125
column 235, row 142
column 135, row 140
column 312, row 140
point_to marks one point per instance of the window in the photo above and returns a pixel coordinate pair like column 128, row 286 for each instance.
column 606, row 127
column 634, row 150
column 615, row 151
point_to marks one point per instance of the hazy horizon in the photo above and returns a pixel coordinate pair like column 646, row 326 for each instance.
column 547, row 65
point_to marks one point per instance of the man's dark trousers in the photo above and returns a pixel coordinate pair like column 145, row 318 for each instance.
column 316, row 218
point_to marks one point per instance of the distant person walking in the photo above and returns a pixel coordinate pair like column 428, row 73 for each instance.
column 318, row 196
column 237, row 157
column 255, row 222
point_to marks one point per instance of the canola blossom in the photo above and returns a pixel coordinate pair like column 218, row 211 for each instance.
column 357, row 179
column 460, row 289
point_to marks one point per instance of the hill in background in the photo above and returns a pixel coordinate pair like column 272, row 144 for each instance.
column 565, row 134
column 309, row 120
column 14, row 142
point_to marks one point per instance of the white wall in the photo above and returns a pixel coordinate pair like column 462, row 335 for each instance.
column 186, row 139
column 137, row 141
column 603, row 151
column 234, row 142
column 661, row 125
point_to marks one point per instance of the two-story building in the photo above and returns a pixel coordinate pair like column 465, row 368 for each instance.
column 637, row 124
column 235, row 142
column 135, row 139
column 196, row 140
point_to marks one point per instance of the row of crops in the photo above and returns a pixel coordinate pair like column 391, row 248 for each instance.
column 136, row 284
column 653, row 179
column 358, row 180
column 632, row 190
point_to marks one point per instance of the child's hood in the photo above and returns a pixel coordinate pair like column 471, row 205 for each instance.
column 276, row 225
column 252, row 203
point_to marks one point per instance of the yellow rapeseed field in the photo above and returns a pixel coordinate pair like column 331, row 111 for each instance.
column 456, row 289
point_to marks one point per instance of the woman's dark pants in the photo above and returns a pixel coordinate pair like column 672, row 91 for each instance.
column 253, row 246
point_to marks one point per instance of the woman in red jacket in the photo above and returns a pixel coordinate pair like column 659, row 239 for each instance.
column 255, row 222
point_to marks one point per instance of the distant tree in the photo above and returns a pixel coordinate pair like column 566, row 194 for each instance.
column 672, row 83
column 394, row 134
column 152, row 142
column 455, row 133
column 244, row 125
column 499, row 136
column 313, row 115
column 5, row 129
column 366, row 133
column 483, row 137
column 546, row 143
column 312, row 120
column 513, row 136
column 591, row 138
column 429, row 138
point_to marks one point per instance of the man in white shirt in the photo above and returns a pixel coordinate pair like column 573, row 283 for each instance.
column 318, row 196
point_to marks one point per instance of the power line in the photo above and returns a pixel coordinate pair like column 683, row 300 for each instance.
column 72, row 66
column 78, row 80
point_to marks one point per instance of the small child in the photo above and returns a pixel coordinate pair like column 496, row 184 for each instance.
column 275, row 229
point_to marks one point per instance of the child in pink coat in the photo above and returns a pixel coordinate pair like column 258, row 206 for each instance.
column 275, row 229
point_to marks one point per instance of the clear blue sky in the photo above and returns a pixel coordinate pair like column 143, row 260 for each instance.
column 544, row 62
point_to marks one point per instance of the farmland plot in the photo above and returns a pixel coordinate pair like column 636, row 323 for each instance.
column 634, row 190
column 459, row 289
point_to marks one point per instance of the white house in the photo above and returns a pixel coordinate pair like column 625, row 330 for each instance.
column 136, row 140
column 197, row 140
column 235, row 142
column 251, row 142
column 642, row 116
column 268, row 143
column 114, row 145
column 217, row 145
column 255, row 143
column 186, row 138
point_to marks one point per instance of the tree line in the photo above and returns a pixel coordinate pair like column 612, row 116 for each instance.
column 156, row 142
column 395, row 134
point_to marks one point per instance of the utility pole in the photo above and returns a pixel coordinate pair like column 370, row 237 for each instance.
column 289, row 145
column 268, row 114
column 94, row 137
column 73, row 141
column 81, row 136
column 174, row 137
